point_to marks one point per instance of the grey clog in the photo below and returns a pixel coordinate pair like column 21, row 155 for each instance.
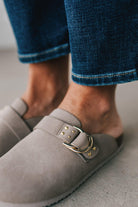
column 52, row 161
column 13, row 127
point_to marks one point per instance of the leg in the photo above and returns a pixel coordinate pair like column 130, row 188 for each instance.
column 95, row 107
column 42, row 39
column 40, row 29
column 41, row 42
column 47, row 86
column 102, row 41
column 108, row 57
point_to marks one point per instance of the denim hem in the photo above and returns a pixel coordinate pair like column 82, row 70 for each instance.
column 48, row 54
column 106, row 79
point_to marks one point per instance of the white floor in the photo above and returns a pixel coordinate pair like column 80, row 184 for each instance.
column 116, row 184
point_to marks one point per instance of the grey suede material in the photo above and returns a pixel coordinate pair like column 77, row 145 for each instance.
column 32, row 122
column 40, row 169
column 19, row 106
column 13, row 127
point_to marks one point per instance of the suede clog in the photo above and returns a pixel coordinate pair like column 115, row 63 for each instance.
column 13, row 127
column 52, row 161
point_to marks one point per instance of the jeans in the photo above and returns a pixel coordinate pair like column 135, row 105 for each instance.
column 100, row 34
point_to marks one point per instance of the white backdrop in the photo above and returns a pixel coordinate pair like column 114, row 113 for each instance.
column 6, row 35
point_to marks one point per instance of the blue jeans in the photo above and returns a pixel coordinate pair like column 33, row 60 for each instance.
column 100, row 34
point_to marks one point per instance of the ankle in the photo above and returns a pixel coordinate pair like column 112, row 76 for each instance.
column 41, row 101
column 95, row 107
column 47, row 86
column 88, row 97
column 42, row 106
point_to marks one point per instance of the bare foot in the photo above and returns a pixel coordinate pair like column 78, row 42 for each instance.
column 95, row 107
column 47, row 86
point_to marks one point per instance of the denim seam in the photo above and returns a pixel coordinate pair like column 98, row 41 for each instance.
column 43, row 52
column 104, row 76
column 39, row 59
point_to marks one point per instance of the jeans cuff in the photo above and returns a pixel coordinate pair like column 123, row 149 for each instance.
column 45, row 55
column 106, row 79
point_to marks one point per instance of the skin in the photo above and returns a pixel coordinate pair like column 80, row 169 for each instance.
column 48, row 88
column 95, row 107
column 47, row 85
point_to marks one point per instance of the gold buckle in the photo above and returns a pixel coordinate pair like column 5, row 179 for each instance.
column 78, row 150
